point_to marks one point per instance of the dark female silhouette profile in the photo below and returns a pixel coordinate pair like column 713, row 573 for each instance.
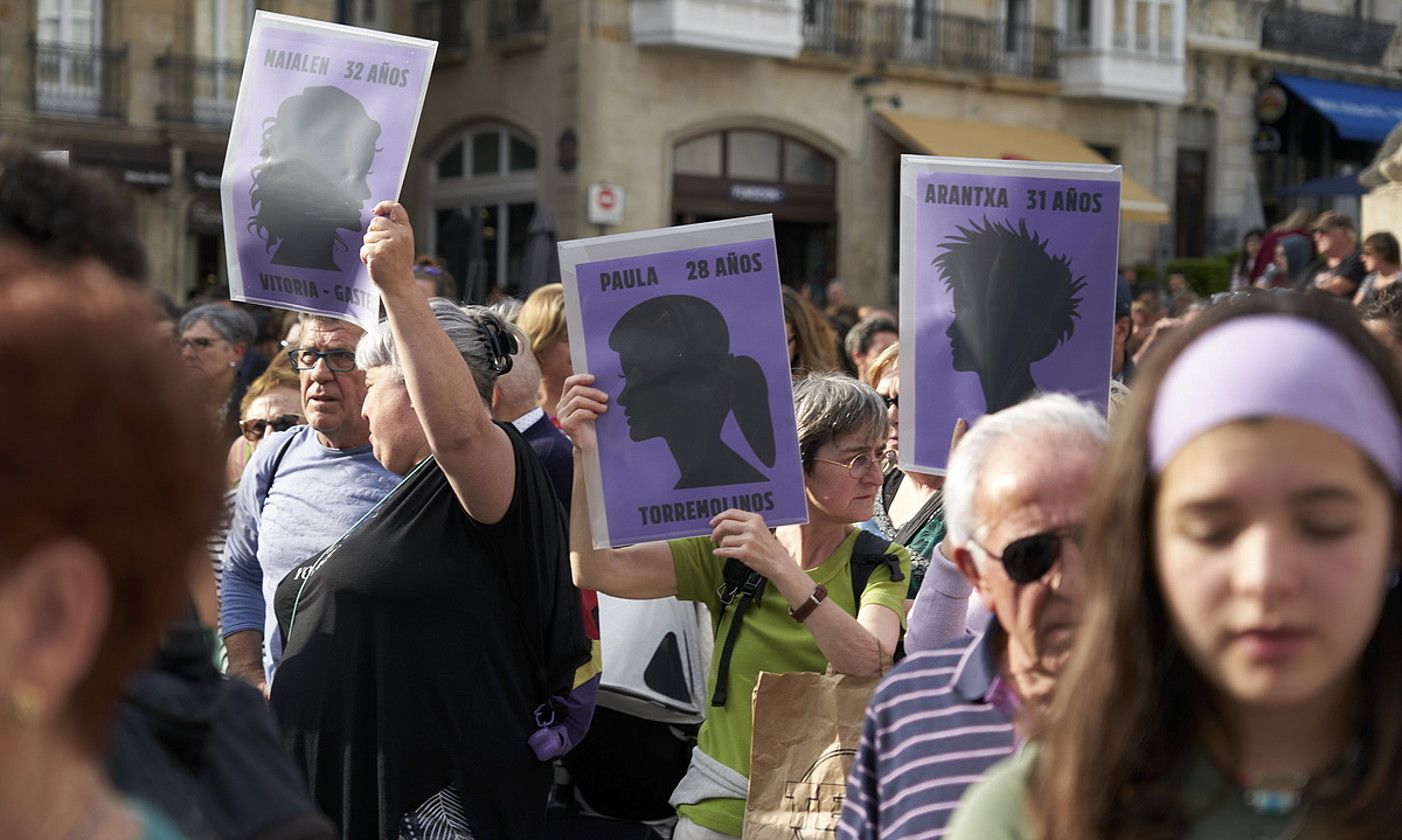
column 682, row 383
column 1014, row 302
column 310, row 183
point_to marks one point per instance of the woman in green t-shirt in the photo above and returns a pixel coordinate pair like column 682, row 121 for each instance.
column 1238, row 672
column 808, row 616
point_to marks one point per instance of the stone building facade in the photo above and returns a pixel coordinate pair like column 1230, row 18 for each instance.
column 143, row 89
column 698, row 109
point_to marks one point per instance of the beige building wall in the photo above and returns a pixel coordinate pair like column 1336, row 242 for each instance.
column 630, row 106
column 148, row 31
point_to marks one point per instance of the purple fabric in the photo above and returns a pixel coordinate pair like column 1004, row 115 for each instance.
column 564, row 721
column 1234, row 372
column 1002, row 697
column 941, row 610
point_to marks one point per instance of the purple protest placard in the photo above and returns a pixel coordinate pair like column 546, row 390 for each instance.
column 684, row 328
column 322, row 131
column 1008, row 272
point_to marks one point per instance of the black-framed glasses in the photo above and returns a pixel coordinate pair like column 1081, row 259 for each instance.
column 861, row 464
column 341, row 361
column 1028, row 559
column 892, row 401
column 255, row 429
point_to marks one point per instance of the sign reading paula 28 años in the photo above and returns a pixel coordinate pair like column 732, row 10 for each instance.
column 1007, row 272
column 325, row 120
column 684, row 328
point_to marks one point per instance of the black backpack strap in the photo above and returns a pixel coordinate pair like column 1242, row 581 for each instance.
column 272, row 468
column 743, row 587
column 868, row 553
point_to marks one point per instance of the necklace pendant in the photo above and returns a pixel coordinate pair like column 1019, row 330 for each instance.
column 1273, row 802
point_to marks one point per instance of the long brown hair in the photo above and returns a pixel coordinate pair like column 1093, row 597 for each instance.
column 1130, row 703
column 815, row 341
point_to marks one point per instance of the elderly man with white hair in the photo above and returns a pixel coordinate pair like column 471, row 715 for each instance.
column 1014, row 496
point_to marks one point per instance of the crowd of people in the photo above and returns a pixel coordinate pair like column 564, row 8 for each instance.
column 280, row 576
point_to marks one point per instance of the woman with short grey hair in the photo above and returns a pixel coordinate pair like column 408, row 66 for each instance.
column 445, row 619
column 809, row 613
column 213, row 341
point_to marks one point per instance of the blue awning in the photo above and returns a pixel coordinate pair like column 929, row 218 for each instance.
column 1359, row 112
column 1332, row 185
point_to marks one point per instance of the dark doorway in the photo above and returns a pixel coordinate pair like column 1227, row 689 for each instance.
column 806, row 251
column 209, row 261
column 1190, row 203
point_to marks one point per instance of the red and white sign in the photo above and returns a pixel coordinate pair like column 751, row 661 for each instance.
column 605, row 204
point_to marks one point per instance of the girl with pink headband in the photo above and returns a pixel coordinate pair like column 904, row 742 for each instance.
column 1239, row 665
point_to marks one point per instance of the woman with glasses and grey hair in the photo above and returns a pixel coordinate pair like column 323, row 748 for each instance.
column 213, row 341
column 424, row 648
column 809, row 613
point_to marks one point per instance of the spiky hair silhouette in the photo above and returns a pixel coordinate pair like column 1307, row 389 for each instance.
column 1009, row 275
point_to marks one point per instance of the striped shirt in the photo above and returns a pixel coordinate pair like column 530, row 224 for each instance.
column 934, row 727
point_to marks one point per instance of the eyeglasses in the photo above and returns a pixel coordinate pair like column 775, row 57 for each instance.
column 892, row 401
column 1028, row 559
column 255, row 429
column 860, row 465
column 341, row 361
column 200, row 343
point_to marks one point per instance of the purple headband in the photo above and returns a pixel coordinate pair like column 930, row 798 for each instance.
column 1275, row 366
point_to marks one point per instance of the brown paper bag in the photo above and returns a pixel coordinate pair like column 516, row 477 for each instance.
column 806, row 729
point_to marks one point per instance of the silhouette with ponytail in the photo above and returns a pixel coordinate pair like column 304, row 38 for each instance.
column 1014, row 302
column 682, row 383
column 310, row 182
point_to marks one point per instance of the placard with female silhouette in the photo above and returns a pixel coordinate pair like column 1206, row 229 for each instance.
column 324, row 124
column 684, row 328
column 1007, row 289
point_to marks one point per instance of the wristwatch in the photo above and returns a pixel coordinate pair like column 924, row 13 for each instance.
column 820, row 593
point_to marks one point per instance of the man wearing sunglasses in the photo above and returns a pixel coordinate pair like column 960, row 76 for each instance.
column 302, row 489
column 1014, row 496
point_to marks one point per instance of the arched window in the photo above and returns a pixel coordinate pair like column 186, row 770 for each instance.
column 483, row 186
column 740, row 171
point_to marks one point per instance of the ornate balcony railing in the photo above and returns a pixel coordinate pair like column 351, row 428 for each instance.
column 902, row 33
column 202, row 91
column 442, row 21
column 834, row 26
column 79, row 80
column 518, row 17
column 1322, row 35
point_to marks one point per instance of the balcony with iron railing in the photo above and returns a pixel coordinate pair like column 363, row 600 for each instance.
column 79, row 80
column 198, row 91
column 956, row 42
column 519, row 21
column 914, row 34
column 835, row 26
column 1343, row 38
column 443, row 21
column 741, row 27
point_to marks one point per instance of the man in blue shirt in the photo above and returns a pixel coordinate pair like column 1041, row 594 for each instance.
column 302, row 489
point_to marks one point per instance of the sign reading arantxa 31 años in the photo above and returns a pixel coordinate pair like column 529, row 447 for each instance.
column 322, row 131
column 684, row 328
column 1008, row 273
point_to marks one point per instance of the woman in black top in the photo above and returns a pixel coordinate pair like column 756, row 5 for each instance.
column 423, row 646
